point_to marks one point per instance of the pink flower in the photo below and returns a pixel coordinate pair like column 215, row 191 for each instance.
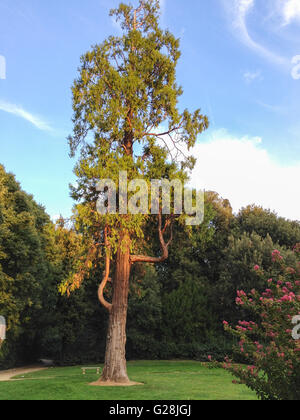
column 256, row 267
column 239, row 301
column 276, row 256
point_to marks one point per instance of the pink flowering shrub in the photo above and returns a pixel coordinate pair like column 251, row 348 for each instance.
column 268, row 346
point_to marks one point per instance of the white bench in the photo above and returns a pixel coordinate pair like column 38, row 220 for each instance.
column 84, row 369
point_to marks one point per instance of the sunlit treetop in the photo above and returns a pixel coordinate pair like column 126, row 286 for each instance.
column 125, row 99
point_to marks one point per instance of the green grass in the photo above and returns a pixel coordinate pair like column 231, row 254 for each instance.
column 163, row 380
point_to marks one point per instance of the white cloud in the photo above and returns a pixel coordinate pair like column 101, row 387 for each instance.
column 241, row 170
column 290, row 10
column 20, row 112
column 238, row 11
column 273, row 108
column 251, row 76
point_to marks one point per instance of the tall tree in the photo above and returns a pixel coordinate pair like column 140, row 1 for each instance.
column 126, row 118
column 24, row 268
column 265, row 222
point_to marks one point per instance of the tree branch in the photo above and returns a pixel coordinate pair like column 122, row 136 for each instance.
column 165, row 133
column 163, row 244
column 102, row 286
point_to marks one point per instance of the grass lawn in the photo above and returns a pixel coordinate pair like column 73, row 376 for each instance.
column 163, row 380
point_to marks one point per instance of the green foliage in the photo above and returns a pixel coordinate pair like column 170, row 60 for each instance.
column 23, row 265
column 64, row 327
column 35, row 258
column 127, row 85
column 264, row 222
column 188, row 254
column 144, row 314
column 174, row 308
column 186, row 315
column 236, row 269
column 125, row 103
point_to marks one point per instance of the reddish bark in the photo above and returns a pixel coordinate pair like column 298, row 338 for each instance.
column 115, row 369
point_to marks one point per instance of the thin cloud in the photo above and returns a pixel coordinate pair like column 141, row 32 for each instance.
column 239, row 11
column 20, row 112
column 252, row 76
column 243, row 171
column 290, row 10
column 273, row 108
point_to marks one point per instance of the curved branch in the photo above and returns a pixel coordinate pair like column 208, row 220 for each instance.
column 166, row 144
column 103, row 284
column 165, row 133
column 163, row 244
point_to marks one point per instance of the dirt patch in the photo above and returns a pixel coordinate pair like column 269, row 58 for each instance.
column 112, row 384
column 6, row 375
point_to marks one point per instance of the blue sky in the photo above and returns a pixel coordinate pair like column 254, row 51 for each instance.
column 236, row 65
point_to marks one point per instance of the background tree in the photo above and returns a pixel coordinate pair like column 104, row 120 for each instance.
column 144, row 314
column 264, row 222
column 126, row 117
column 64, row 321
column 236, row 271
column 23, row 266
column 175, row 307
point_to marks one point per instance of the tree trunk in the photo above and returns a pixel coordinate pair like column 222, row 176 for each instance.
column 115, row 369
